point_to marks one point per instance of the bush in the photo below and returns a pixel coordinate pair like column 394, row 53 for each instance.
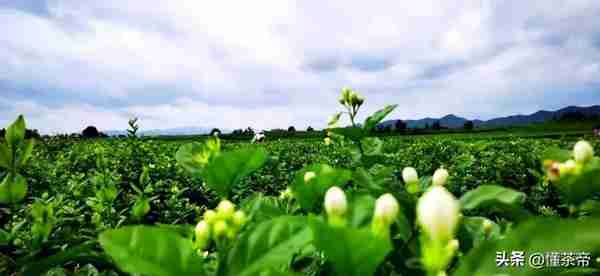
column 90, row 132
column 469, row 125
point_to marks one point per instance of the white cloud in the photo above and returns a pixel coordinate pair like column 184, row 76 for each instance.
column 277, row 63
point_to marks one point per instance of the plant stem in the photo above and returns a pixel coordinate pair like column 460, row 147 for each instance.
column 352, row 112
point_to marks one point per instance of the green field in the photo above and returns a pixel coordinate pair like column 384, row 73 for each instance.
column 129, row 206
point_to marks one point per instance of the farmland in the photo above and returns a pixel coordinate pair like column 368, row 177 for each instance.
column 204, row 206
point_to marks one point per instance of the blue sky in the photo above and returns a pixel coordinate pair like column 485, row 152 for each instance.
column 66, row 64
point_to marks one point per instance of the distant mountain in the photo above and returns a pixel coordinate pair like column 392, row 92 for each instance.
column 167, row 132
column 453, row 121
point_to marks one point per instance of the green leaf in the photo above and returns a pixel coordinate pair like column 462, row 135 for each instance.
column 376, row 117
column 141, row 207
column 15, row 133
column 151, row 251
column 271, row 244
column 310, row 194
column 226, row 169
column 4, row 237
column 372, row 145
column 334, row 119
column 144, row 177
column 83, row 253
column 13, row 188
column 259, row 208
column 557, row 154
column 26, row 152
column 352, row 133
column 353, row 252
column 361, row 210
column 377, row 179
column 578, row 187
column 5, row 156
column 491, row 196
column 472, row 232
column 195, row 156
column 541, row 236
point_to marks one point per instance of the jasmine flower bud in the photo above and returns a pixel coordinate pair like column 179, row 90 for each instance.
column 409, row 175
column 335, row 202
column 452, row 246
column 583, row 152
column 239, row 218
column 202, row 232
column 487, row 227
column 210, row 216
column 567, row 167
column 346, row 95
column 386, row 209
column 287, row 193
column 438, row 213
column 359, row 100
column 225, row 209
column 440, row 177
column 308, row 176
column 220, row 229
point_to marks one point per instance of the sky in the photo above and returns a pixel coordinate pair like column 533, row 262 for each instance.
column 66, row 64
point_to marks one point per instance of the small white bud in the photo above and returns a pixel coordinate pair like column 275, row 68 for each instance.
column 225, row 209
column 239, row 218
column 210, row 216
column 440, row 177
column 453, row 245
column 220, row 229
column 583, row 152
column 308, row 176
column 409, row 175
column 386, row 209
column 567, row 167
column 202, row 232
column 335, row 202
column 487, row 226
column 286, row 194
column 438, row 213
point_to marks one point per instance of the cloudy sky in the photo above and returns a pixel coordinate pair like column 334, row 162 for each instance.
column 66, row 64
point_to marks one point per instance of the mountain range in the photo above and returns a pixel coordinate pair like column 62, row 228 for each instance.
column 449, row 121
column 453, row 121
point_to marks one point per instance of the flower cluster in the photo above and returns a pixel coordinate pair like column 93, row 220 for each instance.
column 223, row 222
column 350, row 98
column 582, row 154
column 411, row 179
column 385, row 213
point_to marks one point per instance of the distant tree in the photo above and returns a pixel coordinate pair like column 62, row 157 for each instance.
column 29, row 133
column 90, row 132
column 426, row 126
column 291, row 129
column 400, row 126
column 310, row 129
column 436, row 125
column 469, row 125
column 215, row 131
column 133, row 128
